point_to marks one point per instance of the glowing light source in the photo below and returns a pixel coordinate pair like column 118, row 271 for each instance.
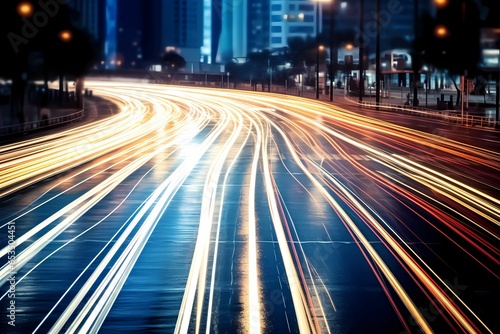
column 441, row 31
column 65, row 36
column 441, row 3
column 25, row 9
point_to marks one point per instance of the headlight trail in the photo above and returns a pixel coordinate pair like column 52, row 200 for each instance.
column 353, row 167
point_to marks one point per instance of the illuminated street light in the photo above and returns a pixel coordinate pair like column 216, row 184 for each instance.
column 441, row 3
column 361, row 51
column 441, row 31
column 25, row 9
column 65, row 36
column 318, row 50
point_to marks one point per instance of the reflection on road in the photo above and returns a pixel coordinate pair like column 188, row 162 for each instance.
column 410, row 202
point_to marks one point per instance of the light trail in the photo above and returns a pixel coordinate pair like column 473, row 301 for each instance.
column 338, row 159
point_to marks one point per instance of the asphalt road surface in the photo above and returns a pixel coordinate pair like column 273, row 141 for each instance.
column 207, row 210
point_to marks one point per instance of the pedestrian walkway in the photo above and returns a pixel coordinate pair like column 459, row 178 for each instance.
column 49, row 120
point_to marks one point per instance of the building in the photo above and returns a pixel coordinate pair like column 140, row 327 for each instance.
column 87, row 16
column 233, row 41
column 182, row 27
column 258, row 25
column 151, row 44
column 110, row 35
column 290, row 19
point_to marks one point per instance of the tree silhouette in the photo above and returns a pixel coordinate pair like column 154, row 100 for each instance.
column 34, row 47
column 450, row 41
column 172, row 61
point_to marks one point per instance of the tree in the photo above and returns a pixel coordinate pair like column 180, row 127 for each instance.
column 451, row 40
column 41, row 42
column 302, row 53
column 172, row 61
column 258, row 66
column 71, row 54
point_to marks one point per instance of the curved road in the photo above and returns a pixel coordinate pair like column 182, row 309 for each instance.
column 204, row 210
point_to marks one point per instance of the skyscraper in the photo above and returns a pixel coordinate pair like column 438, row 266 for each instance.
column 110, row 43
column 292, row 18
column 182, row 27
column 151, row 33
column 258, row 25
column 234, row 36
column 88, row 15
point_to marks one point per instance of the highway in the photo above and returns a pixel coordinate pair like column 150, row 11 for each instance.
column 208, row 210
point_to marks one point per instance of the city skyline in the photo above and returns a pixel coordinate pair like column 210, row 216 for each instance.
column 216, row 31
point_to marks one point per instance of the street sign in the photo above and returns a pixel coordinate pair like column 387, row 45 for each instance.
column 470, row 86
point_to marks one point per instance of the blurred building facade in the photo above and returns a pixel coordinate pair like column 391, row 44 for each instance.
column 182, row 27
column 87, row 15
column 290, row 19
column 138, row 32
column 258, row 25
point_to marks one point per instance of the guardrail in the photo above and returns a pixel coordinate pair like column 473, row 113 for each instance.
column 451, row 116
column 41, row 124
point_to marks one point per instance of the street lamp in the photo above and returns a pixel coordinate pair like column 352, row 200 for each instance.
column 332, row 9
column 497, row 88
column 362, row 50
column 441, row 3
column 65, row 36
column 416, row 56
column 318, row 4
column 319, row 48
column 377, row 57
column 25, row 9
column 441, row 31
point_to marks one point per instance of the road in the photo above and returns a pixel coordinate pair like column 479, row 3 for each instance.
column 208, row 210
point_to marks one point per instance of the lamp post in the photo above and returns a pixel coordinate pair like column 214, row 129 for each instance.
column 317, row 50
column 497, row 90
column 361, row 51
column 377, row 57
column 66, row 36
column 332, row 9
column 269, row 88
column 415, row 62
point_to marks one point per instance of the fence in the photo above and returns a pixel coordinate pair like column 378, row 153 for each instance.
column 451, row 116
column 41, row 124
